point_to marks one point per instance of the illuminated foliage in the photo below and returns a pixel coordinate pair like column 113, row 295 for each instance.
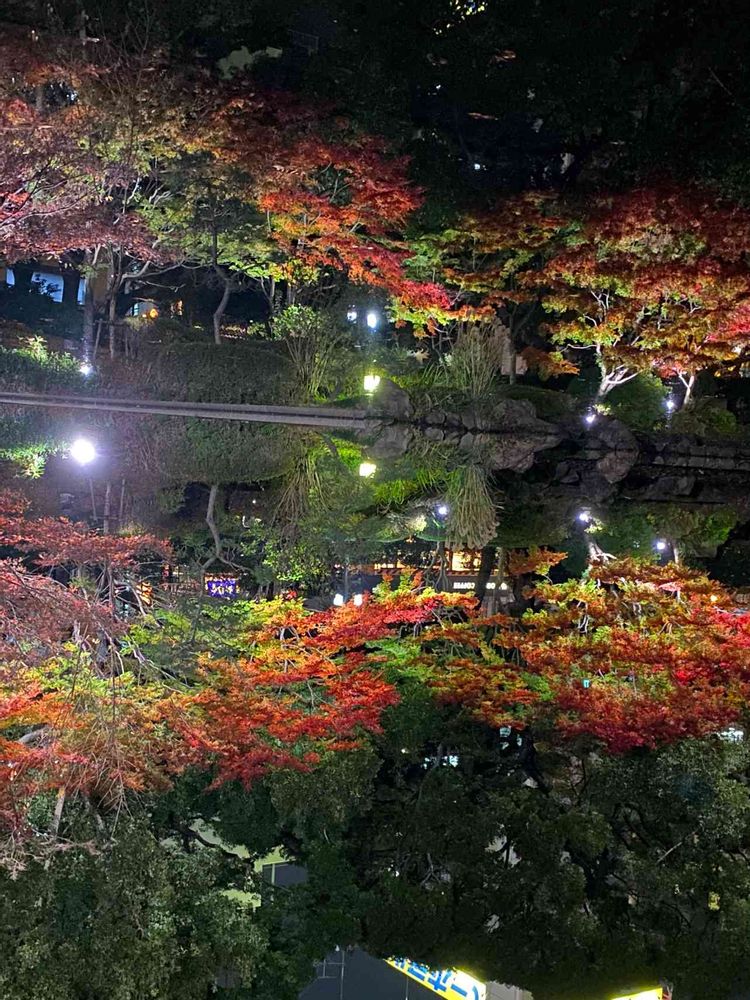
column 652, row 279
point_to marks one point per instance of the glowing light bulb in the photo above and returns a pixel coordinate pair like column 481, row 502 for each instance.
column 86, row 369
column 590, row 417
column 670, row 405
column 660, row 545
column 338, row 600
column 372, row 320
column 584, row 517
column 367, row 469
column 82, row 451
column 371, row 382
column 358, row 599
column 351, row 314
column 442, row 510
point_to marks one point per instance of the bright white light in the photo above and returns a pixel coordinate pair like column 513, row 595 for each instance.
column 660, row 545
column 367, row 469
column 86, row 368
column 590, row 417
column 351, row 314
column 338, row 600
column 358, row 599
column 732, row 735
column 372, row 319
column 503, row 585
column 82, row 451
column 670, row 404
column 442, row 510
column 371, row 382
column 584, row 517
column 477, row 166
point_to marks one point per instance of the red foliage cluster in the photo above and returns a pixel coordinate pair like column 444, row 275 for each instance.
column 313, row 684
column 334, row 198
column 634, row 655
column 39, row 615
column 651, row 279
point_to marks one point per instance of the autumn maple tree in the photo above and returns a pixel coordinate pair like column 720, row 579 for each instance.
column 482, row 258
column 650, row 280
column 632, row 655
column 334, row 199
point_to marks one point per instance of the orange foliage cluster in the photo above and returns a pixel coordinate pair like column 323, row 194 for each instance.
column 633, row 655
column 653, row 279
column 334, row 198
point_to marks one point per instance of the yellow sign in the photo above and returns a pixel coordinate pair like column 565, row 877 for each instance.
column 450, row 983
column 655, row 994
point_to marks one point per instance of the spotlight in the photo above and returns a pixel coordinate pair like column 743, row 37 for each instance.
column 82, row 451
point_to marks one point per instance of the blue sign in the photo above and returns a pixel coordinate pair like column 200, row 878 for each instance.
column 451, row 983
column 221, row 586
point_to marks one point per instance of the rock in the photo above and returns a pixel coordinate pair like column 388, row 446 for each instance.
column 392, row 401
column 616, row 465
column 622, row 450
column 393, row 440
column 615, row 435
column 515, row 452
column 668, row 487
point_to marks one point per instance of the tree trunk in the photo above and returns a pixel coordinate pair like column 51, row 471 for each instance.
column 121, row 515
column 221, row 309
column 689, row 383
column 486, row 569
column 22, row 275
column 71, row 282
column 112, row 323
column 88, row 310
column 107, row 512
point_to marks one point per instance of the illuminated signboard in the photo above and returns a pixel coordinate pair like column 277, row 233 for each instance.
column 450, row 983
column 221, row 586
column 655, row 994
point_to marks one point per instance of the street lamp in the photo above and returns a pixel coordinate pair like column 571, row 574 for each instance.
column 82, row 451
